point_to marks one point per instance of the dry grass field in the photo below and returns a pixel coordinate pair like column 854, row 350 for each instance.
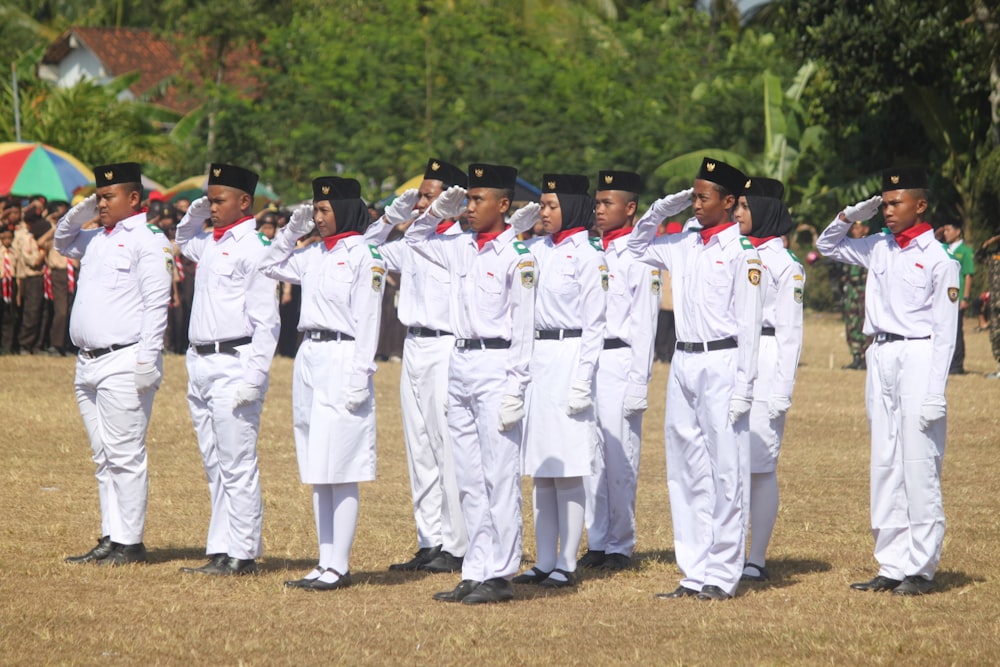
column 54, row 613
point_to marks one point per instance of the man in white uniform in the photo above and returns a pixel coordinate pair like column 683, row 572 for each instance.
column 118, row 323
column 233, row 333
column 623, row 372
column 715, row 276
column 423, row 386
column 911, row 303
column 492, row 316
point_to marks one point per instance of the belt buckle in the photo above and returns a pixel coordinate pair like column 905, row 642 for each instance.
column 689, row 347
column 881, row 337
column 538, row 334
column 460, row 343
column 314, row 335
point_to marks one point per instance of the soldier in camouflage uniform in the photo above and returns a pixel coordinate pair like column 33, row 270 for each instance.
column 992, row 249
column 852, row 285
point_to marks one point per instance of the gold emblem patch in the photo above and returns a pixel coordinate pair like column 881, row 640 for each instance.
column 552, row 185
column 754, row 276
column 109, row 175
column 894, row 179
column 747, row 185
column 953, row 294
column 435, row 166
column 710, row 166
column 609, row 179
column 377, row 272
column 479, row 173
column 325, row 189
column 217, row 172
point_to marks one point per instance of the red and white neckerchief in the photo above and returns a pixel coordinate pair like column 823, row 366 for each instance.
column 70, row 277
column 564, row 234
column 330, row 241
column 707, row 234
column 758, row 242
column 904, row 237
column 614, row 234
column 217, row 232
column 444, row 226
column 47, row 282
column 7, row 278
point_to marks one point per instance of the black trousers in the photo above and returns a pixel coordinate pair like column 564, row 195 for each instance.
column 29, row 335
column 958, row 359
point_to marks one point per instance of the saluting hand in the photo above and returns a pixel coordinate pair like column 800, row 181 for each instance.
column 449, row 203
column 863, row 210
column 524, row 218
column 83, row 212
column 301, row 222
column 401, row 208
column 671, row 204
column 199, row 210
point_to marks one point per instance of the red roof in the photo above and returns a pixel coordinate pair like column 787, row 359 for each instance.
column 125, row 50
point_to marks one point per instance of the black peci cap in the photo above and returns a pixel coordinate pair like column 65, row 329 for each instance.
column 121, row 172
column 334, row 188
column 720, row 173
column 565, row 184
column 447, row 173
column 627, row 181
column 904, row 179
column 498, row 176
column 758, row 186
column 233, row 177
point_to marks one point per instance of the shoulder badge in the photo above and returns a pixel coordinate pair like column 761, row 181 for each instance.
column 595, row 243
column 377, row 275
column 754, row 276
column 263, row 239
column 374, row 251
column 604, row 276
column 170, row 265
column 953, row 294
column 656, row 284
column 527, row 274
column 745, row 242
column 520, row 248
column 798, row 294
column 153, row 228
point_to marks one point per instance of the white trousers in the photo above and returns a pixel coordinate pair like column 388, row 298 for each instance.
column 906, row 508
column 766, row 434
column 423, row 396
column 487, row 463
column 116, row 417
column 611, row 489
column 708, row 465
column 227, row 438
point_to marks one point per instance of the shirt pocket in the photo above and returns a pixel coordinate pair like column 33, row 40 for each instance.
column 224, row 274
column 491, row 290
column 338, row 280
column 915, row 284
column 117, row 269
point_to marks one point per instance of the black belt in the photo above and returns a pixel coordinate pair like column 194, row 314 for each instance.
column 614, row 343
column 721, row 344
column 883, row 337
column 101, row 351
column 323, row 334
column 423, row 332
column 482, row 343
column 767, row 331
column 557, row 334
column 222, row 346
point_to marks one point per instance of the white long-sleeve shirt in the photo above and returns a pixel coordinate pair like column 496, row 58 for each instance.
column 232, row 298
column 633, row 302
column 715, row 288
column 125, row 284
column 341, row 291
column 911, row 291
column 783, row 293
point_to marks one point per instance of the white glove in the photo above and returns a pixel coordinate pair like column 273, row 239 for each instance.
column 356, row 398
column 511, row 411
column 147, row 376
column 246, row 394
column 863, row 210
column 739, row 406
column 524, row 218
column 401, row 208
column 671, row 204
column 301, row 222
column 777, row 406
column 933, row 408
column 83, row 212
column 634, row 405
column 579, row 397
column 449, row 204
column 199, row 210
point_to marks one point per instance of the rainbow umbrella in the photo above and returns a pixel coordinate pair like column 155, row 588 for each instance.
column 37, row 169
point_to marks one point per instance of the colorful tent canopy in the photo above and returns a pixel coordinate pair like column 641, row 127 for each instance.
column 37, row 169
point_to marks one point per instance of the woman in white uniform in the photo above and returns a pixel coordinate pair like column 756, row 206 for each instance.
column 332, row 398
column 560, row 428
column 764, row 219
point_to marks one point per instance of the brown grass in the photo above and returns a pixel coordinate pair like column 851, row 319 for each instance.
column 52, row 613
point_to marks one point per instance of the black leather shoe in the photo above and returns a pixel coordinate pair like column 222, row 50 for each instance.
column 301, row 583
column 878, row 584
column 123, row 554
column 532, row 576
column 343, row 581
column 215, row 561
column 236, row 567
column 464, row 587
column 591, row 559
column 423, row 556
column 443, row 562
column 760, row 575
column 713, row 593
column 616, row 562
column 679, row 592
column 99, row 552
column 570, row 580
column 490, row 591
column 914, row 585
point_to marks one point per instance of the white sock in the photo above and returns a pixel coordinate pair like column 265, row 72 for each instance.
column 546, row 523
column 345, row 522
column 571, row 499
column 763, row 514
column 323, row 511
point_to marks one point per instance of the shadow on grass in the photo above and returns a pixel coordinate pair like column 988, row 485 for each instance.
column 787, row 572
column 170, row 554
column 948, row 580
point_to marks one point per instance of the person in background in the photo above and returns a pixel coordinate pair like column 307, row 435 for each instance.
column 951, row 232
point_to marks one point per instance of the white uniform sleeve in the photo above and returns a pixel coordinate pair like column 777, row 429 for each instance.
column 366, row 308
column 592, row 279
column 788, row 326
column 945, row 324
column 645, row 286
column 392, row 254
column 522, row 281
column 640, row 244
column 262, row 312
column 190, row 237
column 833, row 243
column 70, row 240
column 749, row 302
column 378, row 232
column 281, row 262
column 420, row 235
column 155, row 271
